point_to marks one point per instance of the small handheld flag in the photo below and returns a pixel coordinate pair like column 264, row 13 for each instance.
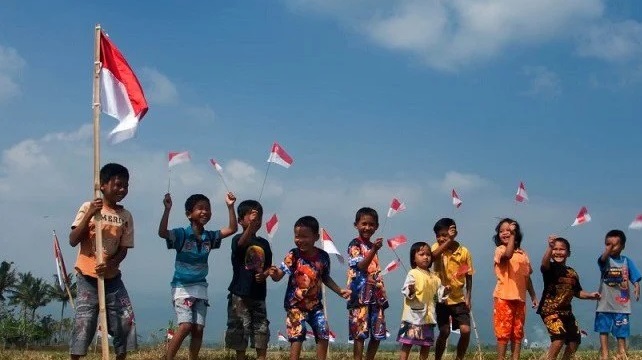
column 176, row 158
column 582, row 217
column 456, row 200
column 219, row 171
column 636, row 224
column 521, row 195
column 329, row 247
column 279, row 156
column 394, row 265
column 396, row 207
column 397, row 241
column 281, row 337
column 272, row 225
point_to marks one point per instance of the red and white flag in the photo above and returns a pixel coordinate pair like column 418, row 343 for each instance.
column 332, row 337
column 636, row 224
column 456, row 201
column 521, row 195
column 397, row 241
column 394, row 265
column 121, row 95
column 272, row 225
column 281, row 337
column 583, row 333
column 170, row 334
column 329, row 247
column 396, row 207
column 176, row 158
column 63, row 278
column 216, row 165
column 582, row 217
column 309, row 334
column 279, row 156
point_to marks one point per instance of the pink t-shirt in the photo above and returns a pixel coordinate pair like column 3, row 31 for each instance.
column 512, row 274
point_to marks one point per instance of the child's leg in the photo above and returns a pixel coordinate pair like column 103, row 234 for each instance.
column 518, row 309
column 515, row 349
column 357, row 349
column 85, row 318
column 604, row 346
column 196, row 341
column 570, row 350
column 464, row 340
column 503, row 325
column 377, row 327
column 295, row 349
column 461, row 319
column 621, row 347
column 501, row 349
column 184, row 329
column 237, row 319
column 373, row 346
column 555, row 348
column 404, row 352
column 120, row 316
column 358, row 328
column 443, row 322
column 260, row 328
column 423, row 352
column 322, row 349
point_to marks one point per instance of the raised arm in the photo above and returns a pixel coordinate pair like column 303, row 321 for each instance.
column 546, row 259
column 232, row 227
column 251, row 229
column 162, row 226
column 605, row 255
column 363, row 264
column 81, row 230
column 531, row 292
column 510, row 247
column 452, row 233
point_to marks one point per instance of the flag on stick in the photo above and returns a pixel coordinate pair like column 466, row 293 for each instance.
column 121, row 95
column 279, row 156
column 582, row 217
column 170, row 334
column 397, row 241
column 272, row 225
column 176, row 158
column 394, row 265
column 329, row 247
column 456, row 201
column 63, row 278
column 281, row 337
column 396, row 207
column 216, row 165
column 332, row 337
column 521, row 195
column 637, row 223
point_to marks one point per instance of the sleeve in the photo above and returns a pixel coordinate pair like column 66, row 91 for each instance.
column 128, row 233
column 215, row 238
column 288, row 264
column 601, row 264
column 326, row 268
column 469, row 262
column 80, row 214
column 410, row 279
column 175, row 239
column 634, row 273
column 354, row 254
column 499, row 252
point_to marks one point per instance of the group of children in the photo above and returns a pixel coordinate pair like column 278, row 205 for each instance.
column 436, row 292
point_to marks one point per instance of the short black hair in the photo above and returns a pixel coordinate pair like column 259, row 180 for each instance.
column 366, row 211
column 617, row 233
column 111, row 170
column 246, row 206
column 309, row 222
column 518, row 232
column 193, row 199
column 443, row 224
column 565, row 242
column 413, row 250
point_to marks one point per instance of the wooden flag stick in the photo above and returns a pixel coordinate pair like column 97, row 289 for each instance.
column 102, row 314
column 264, row 179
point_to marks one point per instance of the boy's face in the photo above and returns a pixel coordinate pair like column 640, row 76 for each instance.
column 201, row 213
column 115, row 190
column 559, row 253
column 304, row 238
column 444, row 234
column 366, row 227
column 246, row 219
column 616, row 245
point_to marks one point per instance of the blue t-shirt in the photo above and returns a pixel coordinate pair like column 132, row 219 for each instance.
column 190, row 265
column 617, row 277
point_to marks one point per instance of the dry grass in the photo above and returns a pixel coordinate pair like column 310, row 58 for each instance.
column 156, row 353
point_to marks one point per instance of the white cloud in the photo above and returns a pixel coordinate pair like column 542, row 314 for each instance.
column 543, row 82
column 614, row 42
column 11, row 64
column 459, row 181
column 448, row 35
column 159, row 89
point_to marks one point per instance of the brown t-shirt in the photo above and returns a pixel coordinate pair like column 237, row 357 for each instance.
column 117, row 229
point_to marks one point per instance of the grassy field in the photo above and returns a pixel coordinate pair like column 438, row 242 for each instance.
column 213, row 354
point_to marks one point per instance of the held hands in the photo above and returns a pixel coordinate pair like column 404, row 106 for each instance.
column 95, row 206
column 535, row 301
column 345, row 293
column 262, row 275
column 167, row 201
column 593, row 296
column 230, row 199
column 378, row 244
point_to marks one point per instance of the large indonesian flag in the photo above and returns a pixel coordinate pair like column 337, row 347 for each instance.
column 329, row 247
column 121, row 95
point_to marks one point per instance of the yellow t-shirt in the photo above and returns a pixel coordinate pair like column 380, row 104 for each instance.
column 452, row 267
column 117, row 229
column 420, row 308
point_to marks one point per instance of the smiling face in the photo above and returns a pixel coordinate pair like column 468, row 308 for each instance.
column 366, row 226
column 506, row 232
column 304, row 238
column 115, row 189
column 201, row 213
column 559, row 252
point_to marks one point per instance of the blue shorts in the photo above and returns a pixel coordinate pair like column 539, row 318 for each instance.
column 191, row 310
column 615, row 323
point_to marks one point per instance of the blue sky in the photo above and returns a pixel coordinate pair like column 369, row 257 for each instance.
column 373, row 99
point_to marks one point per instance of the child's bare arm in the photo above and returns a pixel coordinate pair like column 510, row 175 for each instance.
column 329, row 282
column 363, row 264
column 607, row 251
column 233, row 226
column 588, row 295
column 81, row 231
column 469, row 291
column 162, row 226
column 251, row 229
column 636, row 291
column 546, row 259
column 531, row 292
column 452, row 233
column 111, row 262
column 275, row 273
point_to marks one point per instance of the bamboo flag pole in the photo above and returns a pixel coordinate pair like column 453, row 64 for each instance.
column 325, row 305
column 102, row 314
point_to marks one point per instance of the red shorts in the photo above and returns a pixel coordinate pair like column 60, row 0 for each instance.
column 508, row 320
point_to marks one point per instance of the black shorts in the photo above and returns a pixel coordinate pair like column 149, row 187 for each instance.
column 458, row 312
column 562, row 327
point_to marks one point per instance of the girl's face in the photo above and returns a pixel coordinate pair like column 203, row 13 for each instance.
column 506, row 232
column 423, row 258
column 559, row 252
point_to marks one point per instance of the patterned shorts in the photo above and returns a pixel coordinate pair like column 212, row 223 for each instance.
column 120, row 315
column 246, row 323
column 508, row 320
column 367, row 321
column 191, row 310
column 422, row 335
column 296, row 320
column 562, row 327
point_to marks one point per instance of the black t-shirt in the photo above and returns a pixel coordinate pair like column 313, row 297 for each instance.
column 246, row 262
column 561, row 284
